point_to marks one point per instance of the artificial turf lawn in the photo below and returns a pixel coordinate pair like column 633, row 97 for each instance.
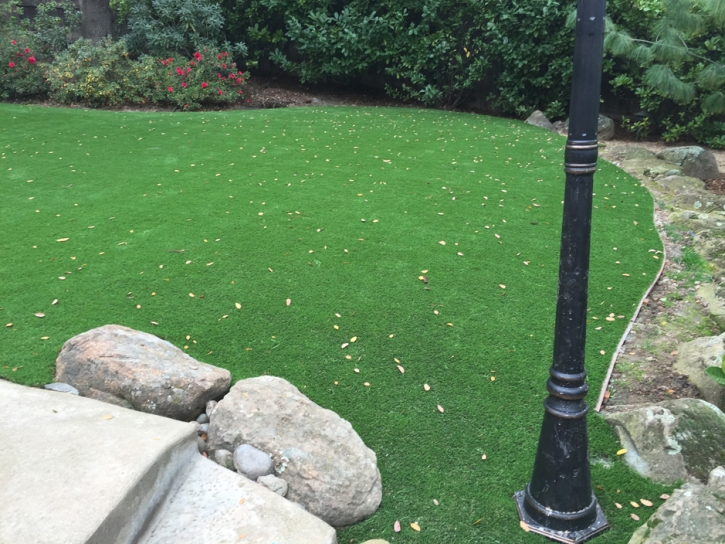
column 172, row 218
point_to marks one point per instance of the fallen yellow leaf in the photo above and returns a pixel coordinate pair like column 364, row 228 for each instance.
column 402, row 370
column 618, row 505
column 108, row 416
column 634, row 504
column 426, row 387
column 353, row 339
column 635, row 517
column 664, row 496
column 62, row 239
column 622, row 451
column 645, row 502
column 238, row 306
column 415, row 527
column 440, row 409
column 524, row 526
column 242, row 501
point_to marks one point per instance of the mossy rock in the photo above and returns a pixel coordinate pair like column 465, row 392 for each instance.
column 672, row 440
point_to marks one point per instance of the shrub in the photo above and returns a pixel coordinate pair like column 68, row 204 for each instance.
column 20, row 74
column 160, row 27
column 208, row 78
column 28, row 45
column 96, row 75
column 669, row 56
column 435, row 51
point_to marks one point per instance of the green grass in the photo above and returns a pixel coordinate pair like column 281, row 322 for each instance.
column 268, row 205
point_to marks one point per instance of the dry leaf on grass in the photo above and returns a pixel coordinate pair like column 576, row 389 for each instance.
column 415, row 527
column 426, row 387
column 618, row 505
column 622, row 451
column 396, row 526
column 238, row 306
column 108, row 416
column 524, row 526
column 440, row 409
column 645, row 502
column 402, row 370
column 635, row 517
column 664, row 496
column 288, row 301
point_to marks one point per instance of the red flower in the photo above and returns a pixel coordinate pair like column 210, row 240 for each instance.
column 239, row 72
column 184, row 85
column 27, row 50
column 224, row 66
column 231, row 76
column 240, row 91
column 197, row 55
column 188, row 69
column 192, row 63
column 204, row 84
column 180, row 71
column 226, row 54
column 220, row 92
column 171, row 89
column 31, row 60
column 169, row 60
column 239, row 80
column 11, row 64
column 218, row 75
column 219, row 56
column 13, row 42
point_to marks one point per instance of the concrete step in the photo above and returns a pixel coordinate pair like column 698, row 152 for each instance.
column 213, row 505
column 76, row 470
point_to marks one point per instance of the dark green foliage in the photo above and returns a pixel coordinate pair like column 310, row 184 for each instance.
column 669, row 55
column 160, row 27
column 434, row 52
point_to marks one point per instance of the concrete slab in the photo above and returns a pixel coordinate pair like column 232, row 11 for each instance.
column 75, row 470
column 214, row 505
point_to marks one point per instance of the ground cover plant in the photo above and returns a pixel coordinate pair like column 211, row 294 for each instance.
column 397, row 265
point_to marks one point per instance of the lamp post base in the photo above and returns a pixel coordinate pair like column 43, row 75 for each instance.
column 568, row 537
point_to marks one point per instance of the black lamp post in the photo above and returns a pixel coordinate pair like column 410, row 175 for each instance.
column 558, row 502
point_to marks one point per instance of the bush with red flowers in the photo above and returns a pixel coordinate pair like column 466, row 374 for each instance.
column 20, row 73
column 209, row 78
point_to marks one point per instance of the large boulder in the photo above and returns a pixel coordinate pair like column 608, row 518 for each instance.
column 327, row 466
column 695, row 161
column 139, row 371
column 671, row 440
column 538, row 119
column 605, row 128
column 694, row 514
column 695, row 356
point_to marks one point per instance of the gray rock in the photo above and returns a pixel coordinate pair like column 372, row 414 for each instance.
column 716, row 480
column 605, row 128
column 538, row 119
column 678, row 184
column 327, row 466
column 203, row 418
column 694, row 514
column 695, row 356
column 140, row 371
column 695, row 161
column 271, row 482
column 560, row 127
column 671, row 440
column 201, row 444
column 210, row 407
column 625, row 152
column 713, row 294
column 251, row 462
column 61, row 388
column 224, row 458
column 204, row 427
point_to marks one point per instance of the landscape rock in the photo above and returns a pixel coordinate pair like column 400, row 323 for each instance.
column 139, row 371
column 695, row 356
column 201, row 444
column 61, row 388
column 671, row 440
column 224, row 458
column 716, row 480
column 210, row 407
column 694, row 160
column 694, row 514
column 538, row 119
column 605, row 128
column 712, row 294
column 326, row 464
column 679, row 184
column 203, row 418
column 251, row 462
column 271, row 482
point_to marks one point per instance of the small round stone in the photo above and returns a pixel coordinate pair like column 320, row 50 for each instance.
column 203, row 418
column 252, row 463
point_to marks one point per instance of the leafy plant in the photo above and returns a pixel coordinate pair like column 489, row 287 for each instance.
column 160, row 27
column 97, row 75
column 674, row 59
column 208, row 78
column 716, row 373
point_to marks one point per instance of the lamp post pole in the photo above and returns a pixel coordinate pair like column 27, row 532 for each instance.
column 558, row 502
